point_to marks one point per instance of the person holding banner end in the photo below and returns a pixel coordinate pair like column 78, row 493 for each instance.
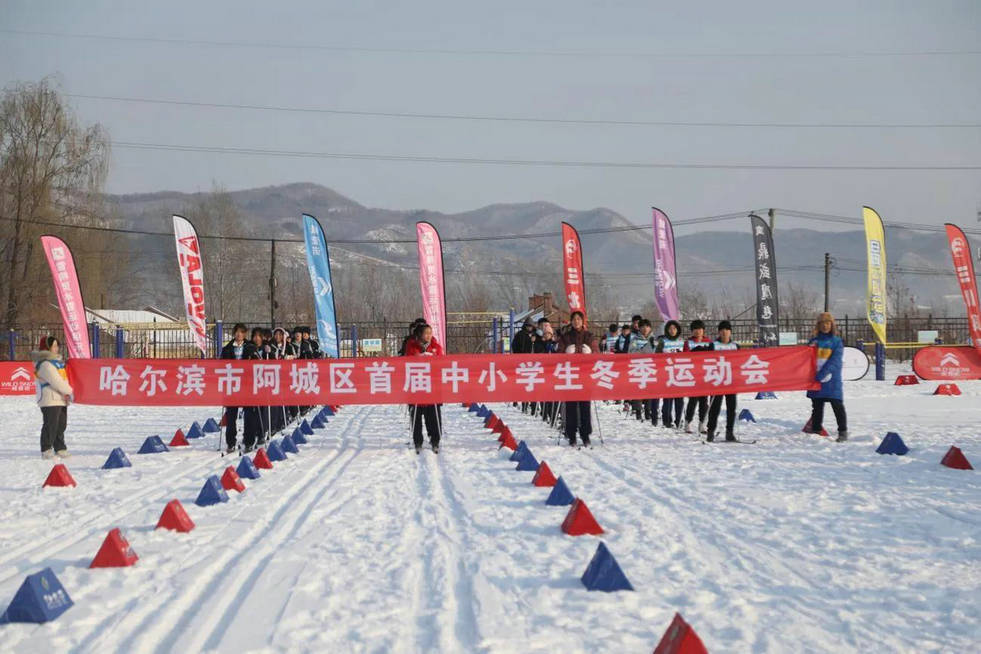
column 829, row 357
column 422, row 343
column 54, row 394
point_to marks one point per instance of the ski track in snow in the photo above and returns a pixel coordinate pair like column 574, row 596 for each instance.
column 357, row 544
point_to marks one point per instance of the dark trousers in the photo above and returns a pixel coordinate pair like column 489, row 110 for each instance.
column 675, row 405
column 231, row 425
column 715, row 407
column 654, row 410
column 578, row 418
column 253, row 425
column 429, row 413
column 548, row 411
column 817, row 414
column 701, row 403
column 53, row 427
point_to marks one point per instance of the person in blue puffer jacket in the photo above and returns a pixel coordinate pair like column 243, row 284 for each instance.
column 829, row 356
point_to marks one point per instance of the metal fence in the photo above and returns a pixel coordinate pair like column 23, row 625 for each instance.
column 383, row 338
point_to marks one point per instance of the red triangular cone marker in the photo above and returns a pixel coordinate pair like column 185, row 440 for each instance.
column 493, row 422
column 499, row 427
column 178, row 440
column 947, row 389
column 261, row 459
column 115, row 552
column 954, row 458
column 231, row 481
column 680, row 638
column 509, row 442
column 59, row 476
column 175, row 517
column 544, row 477
column 580, row 521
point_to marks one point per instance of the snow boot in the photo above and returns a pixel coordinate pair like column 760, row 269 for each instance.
column 688, row 427
column 701, row 427
column 710, row 437
column 842, row 437
column 63, row 454
column 730, row 436
column 418, row 449
column 48, row 454
column 435, row 447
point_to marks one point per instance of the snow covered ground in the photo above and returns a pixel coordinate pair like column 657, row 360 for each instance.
column 795, row 544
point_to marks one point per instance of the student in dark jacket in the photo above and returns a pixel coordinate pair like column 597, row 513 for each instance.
column 697, row 343
column 671, row 343
column 312, row 343
column 644, row 343
column 524, row 341
column 723, row 343
column 576, row 340
column 546, row 344
column 423, row 344
column 256, row 418
column 238, row 348
column 410, row 335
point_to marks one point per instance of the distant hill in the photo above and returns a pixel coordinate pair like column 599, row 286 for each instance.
column 624, row 256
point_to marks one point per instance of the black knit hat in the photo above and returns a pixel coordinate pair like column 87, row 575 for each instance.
column 725, row 324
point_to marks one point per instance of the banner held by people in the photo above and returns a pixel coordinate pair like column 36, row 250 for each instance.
column 69, row 293
column 572, row 269
column 190, row 261
column 875, row 241
column 441, row 379
column 960, row 252
column 318, row 263
column 665, row 268
column 431, row 279
column 767, row 300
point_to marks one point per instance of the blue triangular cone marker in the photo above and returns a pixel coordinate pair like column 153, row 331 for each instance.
column 892, row 444
column 211, row 492
column 117, row 459
column 519, row 453
column 528, row 462
column 210, row 426
column 473, row 408
column 41, row 598
column 483, row 411
column 306, row 428
column 318, row 422
column 194, row 431
column 328, row 412
column 275, row 452
column 604, row 573
column 299, row 438
column 746, row 415
column 152, row 445
column 560, row 495
column 289, row 445
column 246, row 469
column 766, row 395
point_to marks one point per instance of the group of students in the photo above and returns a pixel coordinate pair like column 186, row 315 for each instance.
column 54, row 393
column 638, row 338
column 261, row 422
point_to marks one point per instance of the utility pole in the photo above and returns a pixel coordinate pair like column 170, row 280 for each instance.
column 827, row 280
column 272, row 284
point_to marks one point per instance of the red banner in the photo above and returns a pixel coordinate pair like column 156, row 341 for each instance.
column 16, row 378
column 947, row 363
column 443, row 379
column 431, row 279
column 960, row 251
column 572, row 272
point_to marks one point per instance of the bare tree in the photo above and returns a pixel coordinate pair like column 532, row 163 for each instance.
column 51, row 168
column 798, row 301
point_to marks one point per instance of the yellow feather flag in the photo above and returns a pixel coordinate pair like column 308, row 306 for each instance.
column 875, row 240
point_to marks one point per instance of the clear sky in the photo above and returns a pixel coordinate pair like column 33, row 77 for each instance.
column 823, row 63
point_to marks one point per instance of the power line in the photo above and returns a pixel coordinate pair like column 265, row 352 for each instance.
column 300, row 154
column 515, row 52
column 516, row 119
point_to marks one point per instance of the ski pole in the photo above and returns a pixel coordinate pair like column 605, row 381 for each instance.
column 599, row 427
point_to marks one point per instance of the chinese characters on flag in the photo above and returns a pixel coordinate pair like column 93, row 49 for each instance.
column 444, row 379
